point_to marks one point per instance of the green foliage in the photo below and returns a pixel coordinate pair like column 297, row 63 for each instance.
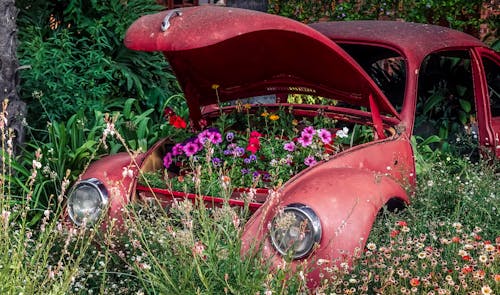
column 457, row 14
column 78, row 60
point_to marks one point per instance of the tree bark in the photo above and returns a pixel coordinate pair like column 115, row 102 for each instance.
column 9, row 67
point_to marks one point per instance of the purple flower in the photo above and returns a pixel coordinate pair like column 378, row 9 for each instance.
column 309, row 161
column 227, row 152
column 305, row 139
column 245, row 171
column 325, row 136
column 308, row 130
column 255, row 174
column 190, row 149
column 266, row 177
column 229, row 136
column 247, row 160
column 239, row 151
column 252, row 157
column 167, row 160
column 216, row 162
column 289, row 146
column 177, row 150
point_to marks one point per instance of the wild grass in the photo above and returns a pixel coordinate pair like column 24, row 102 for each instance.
column 446, row 242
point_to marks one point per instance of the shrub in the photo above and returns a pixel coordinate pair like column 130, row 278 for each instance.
column 78, row 62
column 462, row 15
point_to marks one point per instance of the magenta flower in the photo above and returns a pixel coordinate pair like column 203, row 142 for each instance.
column 308, row 130
column 305, row 139
column 325, row 136
column 177, row 150
column 215, row 137
column 204, row 136
column 309, row 161
column 190, row 149
column 167, row 160
column 289, row 146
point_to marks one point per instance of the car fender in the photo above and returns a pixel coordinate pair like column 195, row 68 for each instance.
column 347, row 201
column 119, row 174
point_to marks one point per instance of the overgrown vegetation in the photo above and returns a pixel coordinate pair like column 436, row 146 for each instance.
column 77, row 60
column 81, row 79
column 462, row 15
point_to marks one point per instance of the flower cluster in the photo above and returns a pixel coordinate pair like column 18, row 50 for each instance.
column 249, row 158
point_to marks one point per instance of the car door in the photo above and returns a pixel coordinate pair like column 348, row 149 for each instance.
column 489, row 80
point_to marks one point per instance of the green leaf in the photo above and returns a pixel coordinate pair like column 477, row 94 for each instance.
column 465, row 105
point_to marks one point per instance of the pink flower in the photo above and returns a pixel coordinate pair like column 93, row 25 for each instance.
column 309, row 161
column 215, row 137
column 325, row 136
column 289, row 146
column 177, row 150
column 308, row 130
column 167, row 160
column 198, row 249
column 190, row 149
column 305, row 139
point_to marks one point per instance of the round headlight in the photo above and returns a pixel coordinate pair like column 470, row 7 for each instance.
column 87, row 200
column 295, row 230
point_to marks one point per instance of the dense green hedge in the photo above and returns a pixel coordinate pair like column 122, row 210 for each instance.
column 464, row 15
column 78, row 60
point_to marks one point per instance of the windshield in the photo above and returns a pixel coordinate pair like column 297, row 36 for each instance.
column 385, row 66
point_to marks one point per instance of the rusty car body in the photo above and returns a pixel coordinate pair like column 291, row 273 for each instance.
column 248, row 53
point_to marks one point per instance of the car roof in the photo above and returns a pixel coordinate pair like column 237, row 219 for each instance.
column 410, row 39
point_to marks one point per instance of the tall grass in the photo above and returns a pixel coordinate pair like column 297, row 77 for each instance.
column 446, row 242
column 40, row 258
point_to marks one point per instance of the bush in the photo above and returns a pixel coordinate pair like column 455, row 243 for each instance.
column 78, row 61
column 456, row 14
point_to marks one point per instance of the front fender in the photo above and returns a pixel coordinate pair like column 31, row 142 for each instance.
column 120, row 186
column 347, row 201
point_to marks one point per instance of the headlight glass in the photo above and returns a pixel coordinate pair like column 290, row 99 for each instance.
column 295, row 230
column 87, row 200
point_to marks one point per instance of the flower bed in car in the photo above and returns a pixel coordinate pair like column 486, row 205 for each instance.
column 245, row 150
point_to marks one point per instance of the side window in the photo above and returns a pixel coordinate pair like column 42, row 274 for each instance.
column 492, row 71
column 446, row 103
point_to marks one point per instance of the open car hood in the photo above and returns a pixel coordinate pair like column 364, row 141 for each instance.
column 220, row 54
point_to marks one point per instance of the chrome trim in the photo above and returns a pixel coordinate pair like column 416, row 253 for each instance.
column 166, row 21
column 99, row 186
column 313, row 218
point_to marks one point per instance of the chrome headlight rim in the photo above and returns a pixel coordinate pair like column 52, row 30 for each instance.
column 102, row 195
column 313, row 220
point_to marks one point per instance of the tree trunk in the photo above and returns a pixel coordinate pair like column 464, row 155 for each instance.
column 9, row 76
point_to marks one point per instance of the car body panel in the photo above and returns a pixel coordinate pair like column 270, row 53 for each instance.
column 120, row 186
column 221, row 54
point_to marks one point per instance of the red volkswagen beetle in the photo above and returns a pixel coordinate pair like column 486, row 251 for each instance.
column 381, row 75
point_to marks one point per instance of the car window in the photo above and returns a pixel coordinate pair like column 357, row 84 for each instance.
column 446, row 102
column 492, row 71
column 385, row 66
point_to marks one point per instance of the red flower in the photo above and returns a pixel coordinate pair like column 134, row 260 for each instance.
column 177, row 122
column 394, row 233
column 401, row 223
column 467, row 269
column 167, row 112
column 253, row 148
column 255, row 134
column 254, row 142
column 414, row 282
column 466, row 257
